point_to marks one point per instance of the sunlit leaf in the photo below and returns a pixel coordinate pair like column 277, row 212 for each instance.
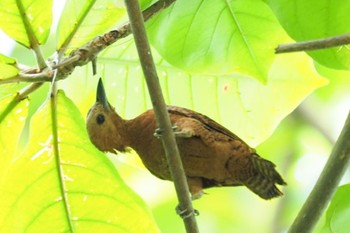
column 8, row 67
column 316, row 19
column 77, row 190
column 7, row 60
column 217, row 37
column 83, row 20
column 338, row 212
column 11, row 125
column 26, row 21
column 12, row 120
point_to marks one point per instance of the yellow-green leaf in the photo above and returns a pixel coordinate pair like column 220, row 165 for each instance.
column 76, row 190
column 12, row 120
column 338, row 212
column 26, row 21
column 82, row 20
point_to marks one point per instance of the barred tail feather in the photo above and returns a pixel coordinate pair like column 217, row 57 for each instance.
column 264, row 179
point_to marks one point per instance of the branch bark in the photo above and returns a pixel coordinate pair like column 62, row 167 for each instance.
column 163, row 121
column 314, row 44
column 90, row 50
column 78, row 57
column 326, row 185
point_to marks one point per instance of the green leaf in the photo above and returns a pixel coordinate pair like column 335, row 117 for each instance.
column 8, row 67
column 12, row 120
column 217, row 37
column 316, row 19
column 77, row 190
column 338, row 212
column 244, row 105
column 26, row 21
column 7, row 60
column 81, row 21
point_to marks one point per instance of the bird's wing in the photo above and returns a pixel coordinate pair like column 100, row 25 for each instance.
column 221, row 144
column 215, row 128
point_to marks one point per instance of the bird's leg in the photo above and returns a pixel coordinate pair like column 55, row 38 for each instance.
column 185, row 213
column 195, row 185
column 178, row 132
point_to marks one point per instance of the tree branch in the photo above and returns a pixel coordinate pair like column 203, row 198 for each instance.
column 90, row 50
column 314, row 44
column 80, row 56
column 162, row 117
column 326, row 184
column 30, row 76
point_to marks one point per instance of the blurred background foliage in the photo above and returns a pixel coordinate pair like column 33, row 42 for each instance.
column 299, row 146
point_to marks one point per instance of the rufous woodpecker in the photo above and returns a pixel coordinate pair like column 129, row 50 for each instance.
column 212, row 156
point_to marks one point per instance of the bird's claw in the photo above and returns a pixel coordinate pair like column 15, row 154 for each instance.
column 158, row 133
column 178, row 132
column 185, row 213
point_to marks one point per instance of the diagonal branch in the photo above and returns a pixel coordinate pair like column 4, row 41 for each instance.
column 78, row 57
column 90, row 50
column 326, row 185
column 168, row 140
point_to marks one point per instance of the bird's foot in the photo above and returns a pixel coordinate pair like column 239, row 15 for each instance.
column 178, row 132
column 185, row 213
column 158, row 133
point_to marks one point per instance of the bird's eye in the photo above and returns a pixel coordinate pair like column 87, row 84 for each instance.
column 100, row 119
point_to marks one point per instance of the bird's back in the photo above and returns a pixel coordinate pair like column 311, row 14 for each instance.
column 211, row 155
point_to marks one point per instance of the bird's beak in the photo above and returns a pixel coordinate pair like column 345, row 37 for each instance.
column 101, row 95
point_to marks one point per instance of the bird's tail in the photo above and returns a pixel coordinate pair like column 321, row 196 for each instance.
column 264, row 178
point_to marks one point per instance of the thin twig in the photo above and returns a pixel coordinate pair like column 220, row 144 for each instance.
column 44, row 76
column 89, row 51
column 83, row 55
column 326, row 184
column 162, row 117
column 314, row 44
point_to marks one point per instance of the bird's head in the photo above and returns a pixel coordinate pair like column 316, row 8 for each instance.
column 105, row 127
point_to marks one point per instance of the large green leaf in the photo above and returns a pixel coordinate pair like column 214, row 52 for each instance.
column 338, row 212
column 76, row 190
column 244, row 105
column 218, row 37
column 8, row 67
column 11, row 125
column 26, row 21
column 316, row 19
column 83, row 20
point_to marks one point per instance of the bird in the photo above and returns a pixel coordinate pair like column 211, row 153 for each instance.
column 212, row 156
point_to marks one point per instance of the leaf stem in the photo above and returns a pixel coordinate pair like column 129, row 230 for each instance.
column 34, row 43
column 162, row 117
column 332, row 41
column 55, row 144
column 326, row 184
